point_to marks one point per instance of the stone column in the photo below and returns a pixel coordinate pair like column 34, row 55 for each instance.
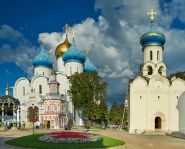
column 40, row 117
column 14, row 116
column 17, row 117
column 2, row 118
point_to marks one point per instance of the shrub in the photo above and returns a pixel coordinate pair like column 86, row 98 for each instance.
column 88, row 125
column 70, row 124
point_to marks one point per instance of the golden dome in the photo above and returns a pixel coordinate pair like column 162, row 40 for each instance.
column 61, row 48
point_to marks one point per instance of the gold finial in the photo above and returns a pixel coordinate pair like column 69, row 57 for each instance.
column 73, row 32
column 67, row 29
column 7, row 89
column 152, row 15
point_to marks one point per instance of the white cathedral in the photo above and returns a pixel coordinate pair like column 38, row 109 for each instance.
column 47, row 87
column 155, row 103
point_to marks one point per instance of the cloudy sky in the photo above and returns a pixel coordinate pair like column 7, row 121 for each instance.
column 110, row 29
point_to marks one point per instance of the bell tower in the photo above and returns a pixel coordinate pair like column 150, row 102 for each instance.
column 152, row 43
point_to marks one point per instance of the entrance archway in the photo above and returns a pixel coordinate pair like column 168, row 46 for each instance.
column 157, row 122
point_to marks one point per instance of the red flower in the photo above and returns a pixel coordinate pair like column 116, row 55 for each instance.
column 69, row 134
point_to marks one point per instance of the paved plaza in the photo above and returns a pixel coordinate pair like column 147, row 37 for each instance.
column 132, row 141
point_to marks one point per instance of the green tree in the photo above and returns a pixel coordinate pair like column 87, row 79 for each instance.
column 116, row 114
column 88, row 91
column 178, row 75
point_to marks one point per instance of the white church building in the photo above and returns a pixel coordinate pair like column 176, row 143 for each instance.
column 155, row 103
column 34, row 91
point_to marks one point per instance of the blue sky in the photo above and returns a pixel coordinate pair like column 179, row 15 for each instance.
column 33, row 17
column 110, row 29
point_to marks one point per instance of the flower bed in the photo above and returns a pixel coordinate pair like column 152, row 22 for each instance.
column 69, row 137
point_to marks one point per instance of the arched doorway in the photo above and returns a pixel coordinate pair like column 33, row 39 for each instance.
column 157, row 122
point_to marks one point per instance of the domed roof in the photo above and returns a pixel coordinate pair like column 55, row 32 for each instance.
column 152, row 37
column 89, row 67
column 74, row 54
column 42, row 59
column 63, row 47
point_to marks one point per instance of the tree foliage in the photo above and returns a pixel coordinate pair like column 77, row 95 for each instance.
column 88, row 92
column 178, row 75
column 116, row 114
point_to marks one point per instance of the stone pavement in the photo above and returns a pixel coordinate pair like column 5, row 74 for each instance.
column 132, row 141
column 144, row 141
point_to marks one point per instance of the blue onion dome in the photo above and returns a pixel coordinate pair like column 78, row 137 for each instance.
column 42, row 59
column 89, row 67
column 152, row 37
column 74, row 54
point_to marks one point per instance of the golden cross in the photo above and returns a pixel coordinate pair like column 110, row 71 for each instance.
column 67, row 28
column 73, row 32
column 152, row 15
column 87, row 50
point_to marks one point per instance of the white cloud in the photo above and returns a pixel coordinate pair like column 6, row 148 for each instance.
column 16, row 48
column 7, row 32
column 113, row 39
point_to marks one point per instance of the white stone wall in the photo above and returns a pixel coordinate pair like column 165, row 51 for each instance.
column 73, row 67
column 18, row 89
column 46, row 71
column 40, row 80
column 60, row 65
column 137, row 105
column 181, row 108
column 64, row 83
column 156, row 97
column 154, row 50
column 177, row 91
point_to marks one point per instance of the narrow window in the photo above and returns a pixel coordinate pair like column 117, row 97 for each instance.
column 48, row 108
column 158, row 55
column 40, row 89
column 161, row 69
column 150, row 70
column 140, row 97
column 177, row 97
column 151, row 55
column 70, row 70
column 24, row 91
column 158, row 97
column 43, row 73
column 77, row 69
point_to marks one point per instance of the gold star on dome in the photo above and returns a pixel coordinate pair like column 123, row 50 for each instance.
column 87, row 50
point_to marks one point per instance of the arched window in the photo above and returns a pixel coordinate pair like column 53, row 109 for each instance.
column 150, row 70
column 40, row 89
column 158, row 55
column 24, row 91
column 77, row 69
column 151, row 55
column 161, row 69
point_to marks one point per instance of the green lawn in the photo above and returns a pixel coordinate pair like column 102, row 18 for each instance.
column 31, row 141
